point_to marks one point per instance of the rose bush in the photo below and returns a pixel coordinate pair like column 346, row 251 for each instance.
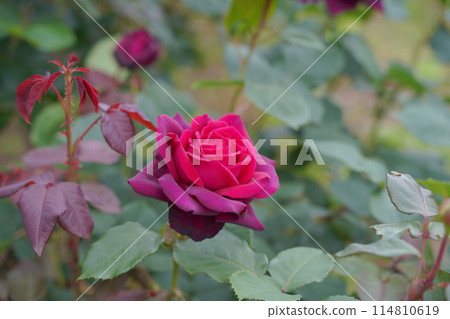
column 140, row 45
column 211, row 173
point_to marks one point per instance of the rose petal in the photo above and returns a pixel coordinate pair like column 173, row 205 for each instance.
column 273, row 182
column 147, row 185
column 180, row 120
column 248, row 219
column 200, row 122
column 216, row 202
column 196, row 227
column 185, row 169
column 180, row 198
column 166, row 149
column 259, row 180
column 214, row 175
column 236, row 122
column 167, row 124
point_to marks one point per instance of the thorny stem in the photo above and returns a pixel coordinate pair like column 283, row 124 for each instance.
column 253, row 42
column 71, row 171
column 73, row 241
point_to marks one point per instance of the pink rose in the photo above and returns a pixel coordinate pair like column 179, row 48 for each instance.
column 212, row 172
column 141, row 45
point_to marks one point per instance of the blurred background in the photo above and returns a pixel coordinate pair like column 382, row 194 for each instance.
column 376, row 101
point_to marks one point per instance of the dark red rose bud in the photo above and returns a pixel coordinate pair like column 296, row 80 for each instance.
column 137, row 48
column 337, row 6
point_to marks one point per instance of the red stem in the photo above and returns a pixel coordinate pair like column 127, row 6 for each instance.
column 73, row 241
column 422, row 253
column 428, row 283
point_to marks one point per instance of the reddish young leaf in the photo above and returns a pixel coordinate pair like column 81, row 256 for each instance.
column 45, row 156
column 51, row 79
column 77, row 219
column 73, row 59
column 40, row 207
column 133, row 111
column 82, row 70
column 94, row 151
column 117, row 128
column 57, row 63
column 86, row 89
column 101, row 197
column 30, row 91
column 42, row 179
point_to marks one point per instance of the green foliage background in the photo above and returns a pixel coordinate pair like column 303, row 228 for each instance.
column 376, row 101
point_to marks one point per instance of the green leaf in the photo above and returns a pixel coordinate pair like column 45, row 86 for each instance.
column 383, row 211
column 245, row 16
column 295, row 107
column 296, row 267
column 340, row 298
column 404, row 76
column 408, row 196
column 50, row 36
column 119, row 250
column 444, row 276
column 351, row 156
column 397, row 229
column 428, row 123
column 243, row 233
column 440, row 43
column 353, row 193
column 389, row 247
column 141, row 212
column 436, row 230
column 249, row 286
column 396, row 9
column 436, row 186
column 363, row 55
column 46, row 125
column 219, row 257
column 204, row 84
column 211, row 7
column 302, row 38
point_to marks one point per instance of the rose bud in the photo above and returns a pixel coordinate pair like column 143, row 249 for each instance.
column 209, row 172
column 337, row 6
column 140, row 45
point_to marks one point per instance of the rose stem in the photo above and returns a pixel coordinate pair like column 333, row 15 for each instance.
column 73, row 241
column 428, row 283
column 174, row 289
column 421, row 258
column 245, row 62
